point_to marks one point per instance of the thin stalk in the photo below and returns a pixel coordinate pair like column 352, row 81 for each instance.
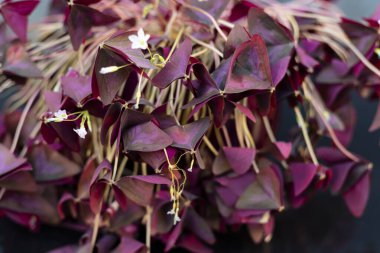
column 204, row 44
column 208, row 15
column 22, row 120
column 210, row 146
column 148, row 228
column 305, row 133
column 179, row 35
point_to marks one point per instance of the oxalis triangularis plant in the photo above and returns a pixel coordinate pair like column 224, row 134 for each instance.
column 156, row 119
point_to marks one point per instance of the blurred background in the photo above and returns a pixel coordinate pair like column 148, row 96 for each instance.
column 323, row 225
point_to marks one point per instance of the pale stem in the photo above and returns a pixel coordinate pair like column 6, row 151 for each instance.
column 210, row 146
column 95, row 231
column 302, row 124
column 208, row 15
column 331, row 131
column 204, row 44
column 22, row 120
column 179, row 35
column 148, row 227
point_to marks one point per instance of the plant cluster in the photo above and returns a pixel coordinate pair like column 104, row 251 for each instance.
column 144, row 121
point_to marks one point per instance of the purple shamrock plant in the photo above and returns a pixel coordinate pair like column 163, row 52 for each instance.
column 133, row 119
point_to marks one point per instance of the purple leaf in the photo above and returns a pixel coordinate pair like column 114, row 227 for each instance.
column 76, row 86
column 139, row 189
column 356, row 198
column 263, row 194
column 130, row 245
column 146, row 137
column 236, row 37
column 198, row 226
column 21, row 181
column 284, row 147
column 97, row 191
column 277, row 38
column 188, row 136
column 16, row 16
column 249, row 68
column 8, row 162
column 81, row 19
column 107, row 85
column 112, row 115
column 86, row 178
column 240, row 159
column 214, row 8
column 49, row 165
column 302, row 175
column 246, row 111
column 29, row 203
column 175, row 68
column 64, row 131
column 193, row 245
column 22, row 68
column 120, row 43
column 52, row 100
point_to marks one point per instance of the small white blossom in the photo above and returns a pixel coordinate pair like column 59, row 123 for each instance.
column 109, row 69
column 171, row 212
column 81, row 132
column 59, row 116
column 176, row 218
column 140, row 40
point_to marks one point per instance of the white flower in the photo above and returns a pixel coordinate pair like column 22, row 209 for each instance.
column 171, row 212
column 176, row 218
column 109, row 69
column 59, row 116
column 81, row 132
column 140, row 40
